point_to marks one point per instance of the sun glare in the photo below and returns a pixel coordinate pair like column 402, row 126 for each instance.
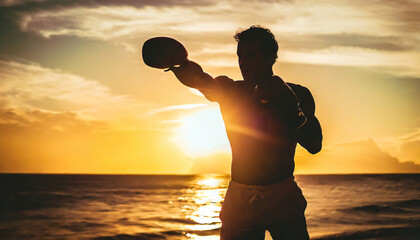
column 202, row 133
column 209, row 182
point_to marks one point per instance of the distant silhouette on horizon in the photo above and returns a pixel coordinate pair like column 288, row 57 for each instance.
column 265, row 118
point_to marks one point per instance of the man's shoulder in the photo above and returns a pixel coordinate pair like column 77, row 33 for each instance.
column 220, row 90
column 306, row 100
column 223, row 79
column 239, row 82
column 297, row 87
column 299, row 90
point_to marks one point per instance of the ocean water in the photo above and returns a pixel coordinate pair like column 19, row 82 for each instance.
column 377, row 206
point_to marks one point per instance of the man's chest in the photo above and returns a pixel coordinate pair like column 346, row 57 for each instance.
column 252, row 112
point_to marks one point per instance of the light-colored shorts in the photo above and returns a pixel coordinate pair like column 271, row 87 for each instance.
column 249, row 210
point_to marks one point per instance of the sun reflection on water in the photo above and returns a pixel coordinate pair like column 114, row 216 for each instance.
column 209, row 182
column 207, row 198
column 197, row 237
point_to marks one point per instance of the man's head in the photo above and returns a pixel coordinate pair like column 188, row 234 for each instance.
column 257, row 52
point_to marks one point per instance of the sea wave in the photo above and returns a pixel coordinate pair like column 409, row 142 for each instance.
column 145, row 236
column 413, row 203
column 79, row 226
column 163, row 235
column 376, row 209
column 390, row 207
column 175, row 220
column 391, row 233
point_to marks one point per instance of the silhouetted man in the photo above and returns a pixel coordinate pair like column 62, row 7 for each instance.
column 265, row 118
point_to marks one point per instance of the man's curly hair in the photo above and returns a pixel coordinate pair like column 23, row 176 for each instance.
column 264, row 37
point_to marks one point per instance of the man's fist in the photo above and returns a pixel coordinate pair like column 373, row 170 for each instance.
column 163, row 52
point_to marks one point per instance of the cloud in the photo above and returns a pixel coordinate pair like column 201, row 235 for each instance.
column 355, row 157
column 286, row 17
column 110, row 22
column 43, row 4
column 367, row 35
column 176, row 108
column 323, row 41
column 169, row 117
column 38, row 120
column 410, row 151
column 55, row 122
column 28, row 86
column 405, row 63
column 361, row 33
column 42, row 147
column 116, row 22
column 9, row 3
column 414, row 136
column 405, row 147
column 402, row 16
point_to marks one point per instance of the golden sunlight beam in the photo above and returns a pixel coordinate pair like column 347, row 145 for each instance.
column 202, row 133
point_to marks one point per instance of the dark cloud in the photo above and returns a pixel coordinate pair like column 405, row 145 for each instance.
column 21, row 6
column 403, row 15
column 69, row 53
column 88, row 58
column 31, row 46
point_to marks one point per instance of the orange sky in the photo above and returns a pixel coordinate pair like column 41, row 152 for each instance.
column 75, row 96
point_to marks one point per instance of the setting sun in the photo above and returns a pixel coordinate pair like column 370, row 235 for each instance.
column 202, row 133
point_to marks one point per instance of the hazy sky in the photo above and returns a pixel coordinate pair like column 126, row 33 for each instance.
column 75, row 96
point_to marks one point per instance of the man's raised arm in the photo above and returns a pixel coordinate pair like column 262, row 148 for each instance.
column 168, row 53
column 192, row 75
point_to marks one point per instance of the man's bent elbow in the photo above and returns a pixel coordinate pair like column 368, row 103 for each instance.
column 315, row 148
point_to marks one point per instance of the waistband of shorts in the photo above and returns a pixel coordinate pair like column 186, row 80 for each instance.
column 262, row 187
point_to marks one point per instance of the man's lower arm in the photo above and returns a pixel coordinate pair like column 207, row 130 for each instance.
column 309, row 135
column 192, row 75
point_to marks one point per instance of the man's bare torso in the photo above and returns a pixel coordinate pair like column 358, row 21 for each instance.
column 263, row 145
